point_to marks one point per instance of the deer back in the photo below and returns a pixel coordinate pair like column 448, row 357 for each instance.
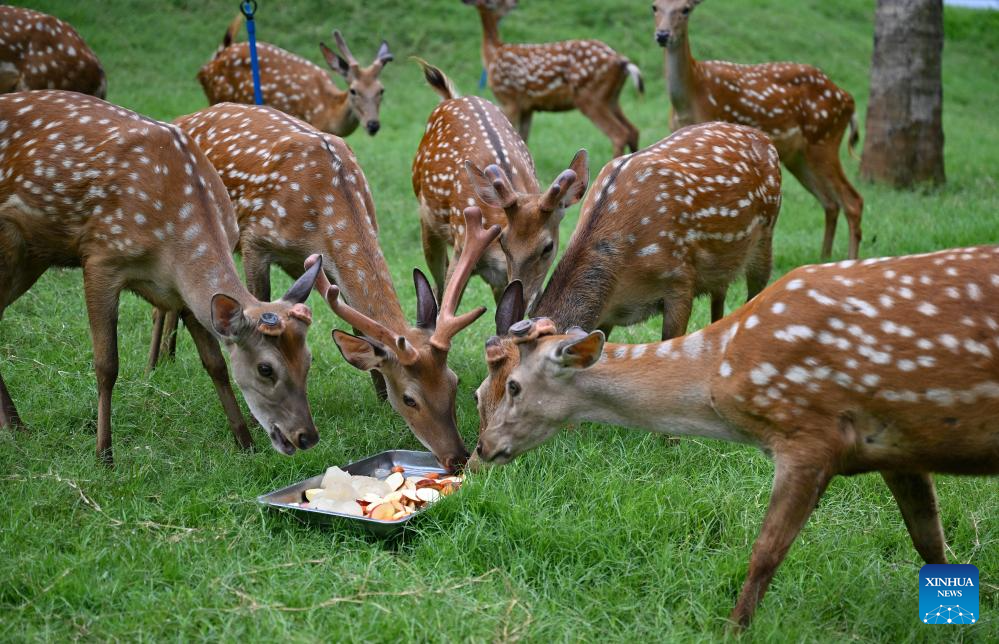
column 684, row 213
column 39, row 51
column 289, row 83
column 297, row 192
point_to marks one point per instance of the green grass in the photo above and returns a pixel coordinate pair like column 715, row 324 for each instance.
column 601, row 534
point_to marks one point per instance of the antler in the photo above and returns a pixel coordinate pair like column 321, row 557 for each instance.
column 477, row 239
column 342, row 46
column 406, row 353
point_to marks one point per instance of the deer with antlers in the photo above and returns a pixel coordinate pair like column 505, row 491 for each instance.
column 676, row 220
column 39, row 51
column 584, row 75
column 138, row 206
column 469, row 154
column 886, row 365
column 803, row 111
column 297, row 86
column 413, row 360
column 296, row 191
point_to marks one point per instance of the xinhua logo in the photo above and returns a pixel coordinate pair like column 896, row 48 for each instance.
column 948, row 594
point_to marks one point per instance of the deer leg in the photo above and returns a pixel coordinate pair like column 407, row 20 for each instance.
column 676, row 312
column 8, row 413
column 435, row 252
column 102, row 290
column 718, row 304
column 525, row 124
column 257, row 267
column 808, row 169
column 852, row 204
column 632, row 140
column 214, row 363
column 154, row 342
column 917, row 499
column 603, row 117
column 759, row 267
column 796, row 490
column 170, row 324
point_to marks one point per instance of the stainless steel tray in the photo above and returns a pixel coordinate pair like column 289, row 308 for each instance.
column 378, row 466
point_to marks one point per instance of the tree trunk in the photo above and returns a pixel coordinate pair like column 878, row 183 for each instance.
column 904, row 142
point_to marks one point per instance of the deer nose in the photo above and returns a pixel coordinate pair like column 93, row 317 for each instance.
column 456, row 461
column 373, row 127
column 306, row 438
column 662, row 37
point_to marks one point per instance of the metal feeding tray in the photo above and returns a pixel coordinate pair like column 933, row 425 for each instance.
column 378, row 466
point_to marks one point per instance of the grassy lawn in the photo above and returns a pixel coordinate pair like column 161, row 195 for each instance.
column 601, row 534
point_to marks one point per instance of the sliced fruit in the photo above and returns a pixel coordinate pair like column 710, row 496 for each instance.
column 428, row 494
column 395, row 480
column 315, row 494
column 398, row 468
column 382, row 512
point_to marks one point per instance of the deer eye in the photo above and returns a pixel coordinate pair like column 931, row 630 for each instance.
column 265, row 370
column 685, row 10
column 409, row 402
column 475, row 397
column 654, row 9
column 549, row 247
column 353, row 92
column 514, row 388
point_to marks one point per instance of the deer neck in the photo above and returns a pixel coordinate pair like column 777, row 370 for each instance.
column 366, row 283
column 339, row 119
column 490, row 36
column 582, row 282
column 681, row 79
column 661, row 387
column 198, row 281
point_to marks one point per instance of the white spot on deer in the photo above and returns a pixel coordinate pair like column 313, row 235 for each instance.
column 778, row 307
column 795, row 284
column 725, row 369
column 651, row 249
column 794, row 332
column 870, row 379
column 692, row 344
column 949, row 342
column 638, row 350
column 798, row 374
column 927, row 309
column 761, row 375
column 863, row 307
column 752, row 321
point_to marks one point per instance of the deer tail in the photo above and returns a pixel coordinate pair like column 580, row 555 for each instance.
column 437, row 80
column 636, row 76
column 851, row 143
column 230, row 33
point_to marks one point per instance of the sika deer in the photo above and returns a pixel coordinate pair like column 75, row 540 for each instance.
column 884, row 365
column 137, row 206
column 803, row 111
column 296, row 191
column 556, row 77
column 678, row 219
column 468, row 154
column 413, row 361
column 298, row 87
column 39, row 51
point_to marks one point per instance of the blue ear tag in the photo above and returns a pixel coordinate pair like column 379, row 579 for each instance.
column 522, row 328
column 270, row 319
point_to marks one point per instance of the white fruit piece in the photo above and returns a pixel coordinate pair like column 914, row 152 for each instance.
column 428, row 494
column 395, row 480
column 335, row 475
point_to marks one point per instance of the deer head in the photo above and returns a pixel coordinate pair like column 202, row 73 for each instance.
column 270, row 360
column 671, row 18
column 539, row 391
column 530, row 239
column 501, row 353
column 497, row 7
column 413, row 361
column 365, row 90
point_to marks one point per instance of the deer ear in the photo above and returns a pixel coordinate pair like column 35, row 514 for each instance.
column 491, row 185
column 228, row 319
column 299, row 291
column 511, row 307
column 581, row 166
column 580, row 352
column 426, row 303
column 384, row 55
column 359, row 352
column 336, row 63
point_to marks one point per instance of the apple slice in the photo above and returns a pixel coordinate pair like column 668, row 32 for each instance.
column 428, row 494
column 315, row 494
column 412, row 495
column 395, row 480
column 382, row 512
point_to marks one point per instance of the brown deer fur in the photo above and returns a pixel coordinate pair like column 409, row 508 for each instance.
column 803, row 111
column 470, row 155
column 135, row 204
column 886, row 365
column 297, row 86
column 663, row 225
column 39, row 51
column 556, row 77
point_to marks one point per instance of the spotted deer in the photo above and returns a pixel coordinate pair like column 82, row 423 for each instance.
column 803, row 111
column 296, row 191
column 584, row 75
column 137, row 206
column 469, row 155
column 886, row 365
column 681, row 218
column 413, row 360
column 297, row 86
column 39, row 51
